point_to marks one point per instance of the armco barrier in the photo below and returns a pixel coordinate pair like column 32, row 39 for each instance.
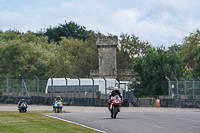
column 180, row 103
column 38, row 100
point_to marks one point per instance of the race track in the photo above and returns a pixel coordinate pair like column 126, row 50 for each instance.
column 137, row 122
column 129, row 120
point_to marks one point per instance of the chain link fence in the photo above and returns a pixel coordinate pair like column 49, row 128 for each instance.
column 25, row 87
column 183, row 89
column 64, row 87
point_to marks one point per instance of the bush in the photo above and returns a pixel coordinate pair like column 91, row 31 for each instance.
column 1, row 91
column 98, row 94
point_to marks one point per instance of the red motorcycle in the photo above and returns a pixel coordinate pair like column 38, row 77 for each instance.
column 115, row 105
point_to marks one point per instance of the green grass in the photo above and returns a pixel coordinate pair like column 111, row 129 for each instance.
column 35, row 122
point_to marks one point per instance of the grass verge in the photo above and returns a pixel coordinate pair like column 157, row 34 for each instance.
column 35, row 122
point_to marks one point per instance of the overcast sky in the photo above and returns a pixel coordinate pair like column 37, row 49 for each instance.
column 160, row 22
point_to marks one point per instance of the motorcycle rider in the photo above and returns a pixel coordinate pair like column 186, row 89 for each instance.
column 57, row 98
column 22, row 101
column 115, row 91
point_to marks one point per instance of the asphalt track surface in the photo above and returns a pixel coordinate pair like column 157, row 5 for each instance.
column 136, row 122
column 129, row 120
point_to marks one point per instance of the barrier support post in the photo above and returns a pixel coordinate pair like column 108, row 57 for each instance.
column 22, row 78
column 192, row 87
column 92, row 87
column 105, row 88
column 7, row 84
column 177, row 95
column 169, row 86
column 37, row 85
column 185, row 88
column 79, row 93
column 66, row 86
column 51, row 88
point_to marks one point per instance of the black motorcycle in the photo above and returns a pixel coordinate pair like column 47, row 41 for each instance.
column 22, row 108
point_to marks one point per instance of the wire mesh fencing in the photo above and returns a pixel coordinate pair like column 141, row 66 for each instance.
column 184, row 89
column 65, row 87
column 22, row 87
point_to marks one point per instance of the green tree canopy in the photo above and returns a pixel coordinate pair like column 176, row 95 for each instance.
column 67, row 30
column 74, row 58
column 152, row 69
column 174, row 48
column 30, row 55
column 133, row 46
column 23, row 54
column 196, row 71
column 189, row 48
column 130, row 47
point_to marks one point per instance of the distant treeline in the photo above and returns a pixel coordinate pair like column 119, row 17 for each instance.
column 70, row 50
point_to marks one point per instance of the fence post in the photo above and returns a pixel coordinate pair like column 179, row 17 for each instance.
column 118, row 82
column 7, row 85
column 105, row 88
column 176, row 87
column 169, row 86
column 51, row 88
column 92, row 87
column 192, row 87
column 66, row 86
column 37, row 85
column 185, row 88
column 22, row 78
column 79, row 93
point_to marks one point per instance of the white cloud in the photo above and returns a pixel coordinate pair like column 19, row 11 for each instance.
column 159, row 22
column 11, row 19
column 155, row 30
column 182, row 5
column 125, row 17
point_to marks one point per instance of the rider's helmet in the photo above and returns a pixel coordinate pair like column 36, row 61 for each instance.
column 22, row 100
column 116, row 89
column 58, row 98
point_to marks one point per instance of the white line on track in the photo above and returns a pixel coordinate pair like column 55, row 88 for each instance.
column 74, row 123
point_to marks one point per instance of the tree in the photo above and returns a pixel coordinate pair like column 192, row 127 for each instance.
column 74, row 58
column 174, row 48
column 67, row 30
column 31, row 55
column 23, row 54
column 129, row 48
column 123, row 60
column 133, row 46
column 152, row 69
column 60, row 63
column 196, row 71
column 189, row 48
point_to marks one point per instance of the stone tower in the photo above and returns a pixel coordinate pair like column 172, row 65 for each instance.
column 107, row 56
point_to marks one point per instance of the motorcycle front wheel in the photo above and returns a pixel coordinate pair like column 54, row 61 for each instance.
column 115, row 111
column 57, row 110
